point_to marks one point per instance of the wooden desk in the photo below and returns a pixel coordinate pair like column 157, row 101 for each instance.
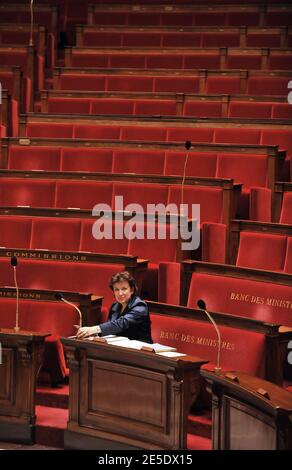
column 22, row 355
column 249, row 413
column 127, row 399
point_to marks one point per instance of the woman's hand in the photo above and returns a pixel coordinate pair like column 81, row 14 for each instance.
column 86, row 331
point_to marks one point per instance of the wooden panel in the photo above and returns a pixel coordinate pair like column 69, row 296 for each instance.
column 7, row 391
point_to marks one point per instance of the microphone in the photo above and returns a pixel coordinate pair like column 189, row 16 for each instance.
column 188, row 145
column 202, row 305
column 59, row 296
column 13, row 262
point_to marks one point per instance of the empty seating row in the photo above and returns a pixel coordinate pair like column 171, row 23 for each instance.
column 18, row 88
column 21, row 35
column 126, row 36
column 44, row 15
column 197, row 81
column 30, row 62
column 159, row 130
column 251, row 241
column 186, row 59
column 165, row 104
column 195, row 15
column 214, row 163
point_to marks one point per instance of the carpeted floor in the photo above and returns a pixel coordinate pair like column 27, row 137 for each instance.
column 11, row 446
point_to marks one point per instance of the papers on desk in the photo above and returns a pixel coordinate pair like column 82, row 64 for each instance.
column 110, row 339
column 140, row 345
column 171, row 354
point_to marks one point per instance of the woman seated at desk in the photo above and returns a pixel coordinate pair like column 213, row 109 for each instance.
column 128, row 316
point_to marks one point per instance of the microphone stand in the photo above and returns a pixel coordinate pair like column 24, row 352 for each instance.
column 16, row 328
column 31, row 24
column 60, row 297
column 201, row 304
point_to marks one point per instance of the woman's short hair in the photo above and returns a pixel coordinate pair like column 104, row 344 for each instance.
column 123, row 276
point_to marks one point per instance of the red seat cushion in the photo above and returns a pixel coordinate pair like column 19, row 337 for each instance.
column 253, row 249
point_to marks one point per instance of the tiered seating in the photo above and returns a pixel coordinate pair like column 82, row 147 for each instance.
column 167, row 104
column 172, row 36
column 177, row 81
column 190, row 15
column 283, row 202
column 185, row 59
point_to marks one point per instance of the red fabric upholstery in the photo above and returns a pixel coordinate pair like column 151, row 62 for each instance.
column 288, row 260
column 281, row 111
column 177, row 84
column 227, row 85
column 40, row 129
column 244, row 61
column 83, row 194
column 155, row 107
column 280, row 137
column 138, row 161
column 89, row 82
column 86, row 159
column 260, row 205
column 55, row 233
column 246, row 109
column 34, row 158
column 141, row 193
column 263, row 39
column 198, row 163
column 84, row 131
column 15, row 232
column 267, row 86
column 143, row 133
column 169, row 283
column 112, row 106
column 203, row 108
column 129, row 83
column 237, row 166
column 68, row 105
column 279, row 61
column 89, row 243
column 241, row 349
column 213, row 242
column 262, row 251
column 210, row 200
column 202, row 60
column 188, row 133
column 237, row 136
column 254, row 299
column 37, row 193
column 286, row 212
column 62, row 276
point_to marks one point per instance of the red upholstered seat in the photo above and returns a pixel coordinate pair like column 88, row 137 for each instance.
column 222, row 38
column 68, row 105
column 263, row 39
column 198, row 163
column 267, row 86
column 244, row 61
column 21, row 192
column 150, row 133
column 288, row 260
column 114, row 245
column 84, row 131
column 138, row 161
column 141, row 193
column 286, row 211
column 86, row 159
column 86, row 82
column 176, row 84
column 177, row 134
column 254, row 299
column 83, row 194
column 281, row 111
column 203, row 108
column 55, row 233
column 112, row 106
column 280, row 60
column 210, row 200
column 129, row 83
column 202, row 60
column 15, row 231
column 241, row 349
column 226, row 85
column 248, row 109
column 42, row 129
column 280, row 137
column 237, row 136
column 262, row 251
column 33, row 158
column 155, row 107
